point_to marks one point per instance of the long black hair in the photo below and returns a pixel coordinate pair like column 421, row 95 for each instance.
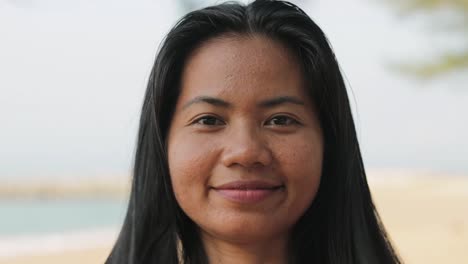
column 340, row 226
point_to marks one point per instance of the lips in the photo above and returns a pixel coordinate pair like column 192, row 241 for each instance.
column 248, row 185
column 246, row 192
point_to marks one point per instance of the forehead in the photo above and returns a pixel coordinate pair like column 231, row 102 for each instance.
column 246, row 68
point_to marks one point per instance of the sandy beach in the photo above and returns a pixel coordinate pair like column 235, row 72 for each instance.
column 95, row 255
column 426, row 216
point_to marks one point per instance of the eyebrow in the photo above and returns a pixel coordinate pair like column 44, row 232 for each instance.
column 269, row 103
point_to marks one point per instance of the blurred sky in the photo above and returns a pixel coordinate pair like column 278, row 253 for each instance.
column 73, row 75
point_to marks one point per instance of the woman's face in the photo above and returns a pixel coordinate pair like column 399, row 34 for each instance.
column 245, row 146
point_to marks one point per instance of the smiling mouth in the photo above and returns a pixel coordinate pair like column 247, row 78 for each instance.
column 249, row 185
column 248, row 191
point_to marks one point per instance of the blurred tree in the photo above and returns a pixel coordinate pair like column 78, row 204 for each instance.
column 455, row 19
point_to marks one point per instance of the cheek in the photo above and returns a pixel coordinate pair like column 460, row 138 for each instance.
column 301, row 165
column 302, row 154
column 190, row 164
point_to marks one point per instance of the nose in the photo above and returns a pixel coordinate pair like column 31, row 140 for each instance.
column 247, row 148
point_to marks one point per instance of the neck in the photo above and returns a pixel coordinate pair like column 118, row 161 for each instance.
column 274, row 251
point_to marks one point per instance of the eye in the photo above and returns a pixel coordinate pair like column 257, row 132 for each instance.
column 208, row 121
column 282, row 120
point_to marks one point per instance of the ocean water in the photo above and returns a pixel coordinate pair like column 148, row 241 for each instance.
column 32, row 226
column 37, row 217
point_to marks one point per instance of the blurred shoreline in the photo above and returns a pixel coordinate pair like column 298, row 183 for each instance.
column 424, row 213
column 54, row 243
column 48, row 189
column 118, row 187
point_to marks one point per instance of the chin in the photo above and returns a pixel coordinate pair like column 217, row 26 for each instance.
column 246, row 230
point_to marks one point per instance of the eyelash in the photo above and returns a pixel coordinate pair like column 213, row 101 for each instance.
column 292, row 120
column 197, row 121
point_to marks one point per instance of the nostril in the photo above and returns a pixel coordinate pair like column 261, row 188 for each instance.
column 250, row 159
